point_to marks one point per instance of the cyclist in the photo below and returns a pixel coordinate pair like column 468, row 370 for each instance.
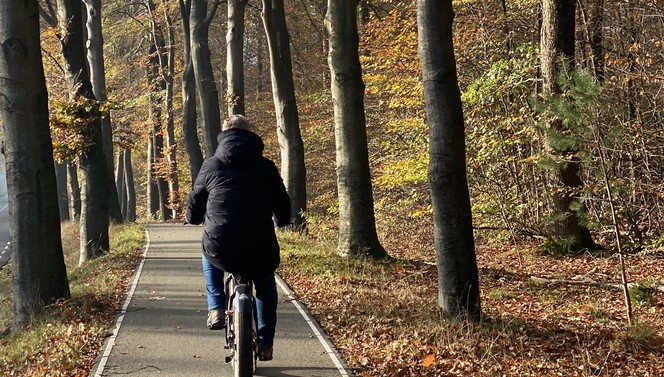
column 240, row 197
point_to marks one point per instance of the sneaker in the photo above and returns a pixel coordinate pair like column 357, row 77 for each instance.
column 265, row 353
column 215, row 320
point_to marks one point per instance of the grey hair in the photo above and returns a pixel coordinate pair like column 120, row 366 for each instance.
column 236, row 121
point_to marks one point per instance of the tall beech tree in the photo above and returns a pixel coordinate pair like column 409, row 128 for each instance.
column 357, row 224
column 557, row 49
column 95, row 55
column 206, row 87
column 38, row 269
column 458, row 281
column 189, row 125
column 92, row 162
column 161, row 81
column 235, row 56
column 293, row 169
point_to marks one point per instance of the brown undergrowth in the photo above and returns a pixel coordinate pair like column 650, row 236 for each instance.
column 382, row 315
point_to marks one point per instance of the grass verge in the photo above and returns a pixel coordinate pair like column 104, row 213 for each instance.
column 66, row 337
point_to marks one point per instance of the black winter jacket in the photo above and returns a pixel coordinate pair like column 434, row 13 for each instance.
column 236, row 194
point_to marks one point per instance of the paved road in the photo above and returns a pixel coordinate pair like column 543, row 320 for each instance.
column 161, row 329
column 4, row 215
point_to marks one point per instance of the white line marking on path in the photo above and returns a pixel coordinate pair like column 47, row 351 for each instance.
column 123, row 311
column 315, row 328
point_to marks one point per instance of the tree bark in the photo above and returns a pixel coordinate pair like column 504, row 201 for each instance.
column 61, row 179
column 171, row 148
column 557, row 47
column 129, row 186
column 152, row 192
column 120, row 184
column 189, row 97
column 157, row 85
column 92, row 164
column 74, row 190
column 458, row 281
column 293, row 168
column 95, row 56
column 235, row 56
column 38, row 269
column 357, row 225
column 208, row 95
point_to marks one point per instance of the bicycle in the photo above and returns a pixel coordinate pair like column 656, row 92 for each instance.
column 241, row 325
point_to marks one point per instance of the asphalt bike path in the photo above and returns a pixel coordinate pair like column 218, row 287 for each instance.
column 161, row 328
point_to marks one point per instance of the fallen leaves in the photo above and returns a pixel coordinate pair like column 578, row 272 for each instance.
column 383, row 318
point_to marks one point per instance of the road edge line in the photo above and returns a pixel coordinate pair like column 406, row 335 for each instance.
column 110, row 341
column 316, row 328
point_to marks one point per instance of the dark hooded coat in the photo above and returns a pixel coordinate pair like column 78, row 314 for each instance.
column 236, row 194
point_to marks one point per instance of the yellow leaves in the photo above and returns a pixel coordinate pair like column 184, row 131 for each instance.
column 533, row 159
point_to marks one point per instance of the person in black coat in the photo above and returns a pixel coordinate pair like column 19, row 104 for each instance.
column 240, row 197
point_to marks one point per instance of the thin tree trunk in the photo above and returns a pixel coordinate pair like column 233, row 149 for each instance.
column 171, row 149
column 458, row 281
column 120, row 184
column 129, row 185
column 208, row 95
column 152, row 193
column 157, row 85
column 38, row 269
column 94, row 239
column 293, row 169
column 357, row 224
column 235, row 57
column 74, row 190
column 189, row 97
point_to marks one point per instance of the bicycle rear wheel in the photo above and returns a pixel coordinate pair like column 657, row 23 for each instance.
column 243, row 358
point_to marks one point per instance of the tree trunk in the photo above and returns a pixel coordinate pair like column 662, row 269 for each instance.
column 129, row 186
column 557, row 47
column 208, row 95
column 38, row 269
column 74, row 190
column 120, row 184
column 458, row 282
column 189, row 97
column 95, row 56
column 92, row 164
column 235, row 56
column 595, row 26
column 293, row 169
column 61, row 179
column 157, row 86
column 171, row 148
column 152, row 192
column 357, row 225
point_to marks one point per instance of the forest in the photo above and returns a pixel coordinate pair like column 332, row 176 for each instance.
column 483, row 180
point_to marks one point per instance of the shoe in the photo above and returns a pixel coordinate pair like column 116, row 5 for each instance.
column 265, row 353
column 215, row 320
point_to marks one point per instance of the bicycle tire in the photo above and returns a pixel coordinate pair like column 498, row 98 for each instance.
column 243, row 358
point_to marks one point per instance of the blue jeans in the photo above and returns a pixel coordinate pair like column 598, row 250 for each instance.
column 266, row 299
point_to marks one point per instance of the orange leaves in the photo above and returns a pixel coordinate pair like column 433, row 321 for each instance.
column 428, row 360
